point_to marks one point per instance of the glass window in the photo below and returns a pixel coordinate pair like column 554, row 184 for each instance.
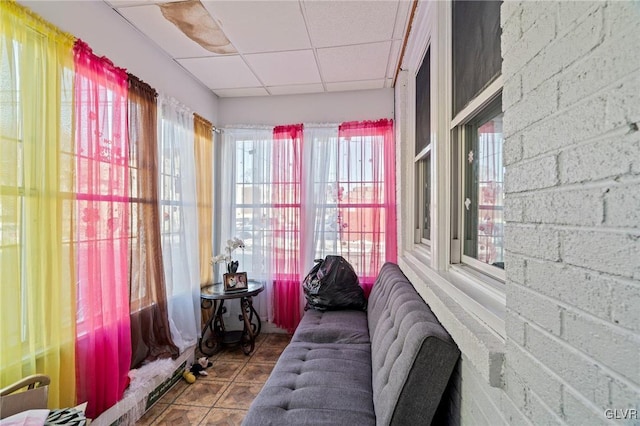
column 423, row 151
column 423, row 104
column 426, row 198
column 476, row 49
column 423, row 199
column 483, row 188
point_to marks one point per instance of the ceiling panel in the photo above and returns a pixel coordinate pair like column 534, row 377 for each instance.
column 349, row 63
column 261, row 26
column 151, row 22
column 296, row 89
column 283, row 68
column 249, row 91
column 336, row 23
column 355, row 85
column 284, row 46
column 221, row 72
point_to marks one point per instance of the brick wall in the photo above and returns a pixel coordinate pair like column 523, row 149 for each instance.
column 572, row 153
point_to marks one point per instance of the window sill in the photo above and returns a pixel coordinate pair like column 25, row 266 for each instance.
column 473, row 314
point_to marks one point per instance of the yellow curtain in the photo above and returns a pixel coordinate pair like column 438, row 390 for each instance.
column 203, row 130
column 37, row 297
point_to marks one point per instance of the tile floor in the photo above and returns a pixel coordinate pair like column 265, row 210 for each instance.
column 222, row 397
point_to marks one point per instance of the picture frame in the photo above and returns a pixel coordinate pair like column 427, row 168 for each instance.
column 235, row 282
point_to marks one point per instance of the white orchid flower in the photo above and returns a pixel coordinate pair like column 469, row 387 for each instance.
column 232, row 244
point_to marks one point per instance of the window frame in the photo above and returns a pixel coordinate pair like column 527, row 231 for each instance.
column 418, row 167
column 343, row 152
column 422, row 165
column 469, row 303
column 460, row 125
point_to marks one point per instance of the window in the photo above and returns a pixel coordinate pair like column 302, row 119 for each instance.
column 477, row 210
column 423, row 186
column 423, row 152
column 476, row 49
column 253, row 218
column 483, row 188
column 469, row 282
column 301, row 194
column 345, row 185
column 363, row 170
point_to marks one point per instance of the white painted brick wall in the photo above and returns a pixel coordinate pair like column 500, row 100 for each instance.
column 535, row 241
column 539, row 172
column 602, row 159
column 572, row 154
column 559, row 206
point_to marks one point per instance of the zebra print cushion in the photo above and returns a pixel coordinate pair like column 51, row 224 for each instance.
column 66, row 416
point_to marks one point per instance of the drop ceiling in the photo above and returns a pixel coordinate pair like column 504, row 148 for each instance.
column 285, row 47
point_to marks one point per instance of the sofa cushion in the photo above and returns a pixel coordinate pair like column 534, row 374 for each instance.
column 314, row 384
column 412, row 354
column 332, row 327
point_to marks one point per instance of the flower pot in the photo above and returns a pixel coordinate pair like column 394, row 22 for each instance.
column 232, row 267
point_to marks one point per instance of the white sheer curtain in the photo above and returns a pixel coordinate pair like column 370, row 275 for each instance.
column 245, row 201
column 179, row 224
column 319, row 197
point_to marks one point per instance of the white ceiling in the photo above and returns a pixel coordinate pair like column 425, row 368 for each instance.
column 285, row 47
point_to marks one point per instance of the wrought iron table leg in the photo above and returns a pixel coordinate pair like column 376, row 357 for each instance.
column 257, row 327
column 250, row 330
column 215, row 324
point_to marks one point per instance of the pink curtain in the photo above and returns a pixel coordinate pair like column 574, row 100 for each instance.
column 103, row 343
column 285, row 204
column 366, row 196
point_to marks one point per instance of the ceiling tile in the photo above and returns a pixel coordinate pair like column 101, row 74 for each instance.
column 261, row 26
column 362, row 62
column 285, row 68
column 355, row 85
column 236, row 93
column 285, row 46
column 151, row 22
column 221, row 72
column 337, row 23
column 296, row 89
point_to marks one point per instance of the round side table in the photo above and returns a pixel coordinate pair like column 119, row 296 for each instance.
column 213, row 295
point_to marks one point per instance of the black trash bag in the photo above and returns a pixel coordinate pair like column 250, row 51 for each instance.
column 332, row 284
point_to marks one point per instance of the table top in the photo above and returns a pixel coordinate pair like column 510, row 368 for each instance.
column 216, row 291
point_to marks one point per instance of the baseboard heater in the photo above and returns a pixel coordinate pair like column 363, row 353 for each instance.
column 148, row 385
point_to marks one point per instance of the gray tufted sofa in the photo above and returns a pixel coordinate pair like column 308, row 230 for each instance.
column 387, row 366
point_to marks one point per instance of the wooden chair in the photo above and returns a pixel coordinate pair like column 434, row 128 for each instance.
column 34, row 397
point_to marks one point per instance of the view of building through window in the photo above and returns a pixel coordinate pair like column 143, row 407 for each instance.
column 348, row 199
column 484, row 192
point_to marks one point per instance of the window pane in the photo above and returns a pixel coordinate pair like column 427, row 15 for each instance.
column 484, row 190
column 423, row 103
column 476, row 48
column 426, row 198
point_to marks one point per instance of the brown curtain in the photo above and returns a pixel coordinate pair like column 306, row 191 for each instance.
column 204, row 185
column 150, row 332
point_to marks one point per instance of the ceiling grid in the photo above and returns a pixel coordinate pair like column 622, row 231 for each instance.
column 280, row 46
